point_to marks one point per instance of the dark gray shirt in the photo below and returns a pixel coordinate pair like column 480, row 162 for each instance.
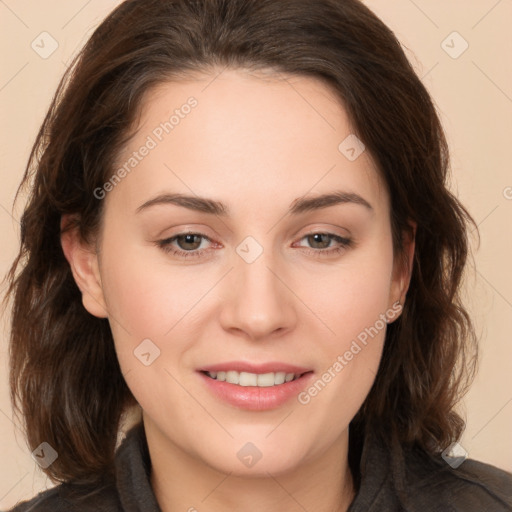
column 415, row 483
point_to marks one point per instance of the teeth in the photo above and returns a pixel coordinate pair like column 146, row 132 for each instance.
column 248, row 379
column 232, row 377
column 280, row 377
column 262, row 380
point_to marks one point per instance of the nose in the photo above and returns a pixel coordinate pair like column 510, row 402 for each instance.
column 258, row 301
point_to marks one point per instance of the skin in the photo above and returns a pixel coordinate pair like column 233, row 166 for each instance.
column 256, row 143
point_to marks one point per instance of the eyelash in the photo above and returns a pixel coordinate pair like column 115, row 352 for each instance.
column 345, row 243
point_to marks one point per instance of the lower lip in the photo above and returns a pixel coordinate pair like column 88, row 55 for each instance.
column 255, row 398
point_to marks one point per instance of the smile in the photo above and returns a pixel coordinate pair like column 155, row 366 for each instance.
column 255, row 387
column 262, row 380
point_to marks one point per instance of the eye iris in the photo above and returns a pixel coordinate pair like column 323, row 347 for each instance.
column 317, row 237
column 189, row 239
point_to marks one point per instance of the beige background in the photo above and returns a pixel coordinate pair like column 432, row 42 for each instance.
column 474, row 96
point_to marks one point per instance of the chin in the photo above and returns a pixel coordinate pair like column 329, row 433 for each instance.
column 254, row 458
column 260, row 469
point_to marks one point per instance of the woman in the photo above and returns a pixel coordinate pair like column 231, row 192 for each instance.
column 239, row 223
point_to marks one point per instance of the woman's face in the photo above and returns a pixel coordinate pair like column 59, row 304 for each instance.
column 267, row 284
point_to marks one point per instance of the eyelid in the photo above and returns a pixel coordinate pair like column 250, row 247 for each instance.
column 185, row 229
column 327, row 233
column 326, row 228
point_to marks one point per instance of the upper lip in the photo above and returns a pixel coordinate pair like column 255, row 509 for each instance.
column 241, row 366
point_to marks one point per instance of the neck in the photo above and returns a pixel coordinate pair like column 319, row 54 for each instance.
column 182, row 482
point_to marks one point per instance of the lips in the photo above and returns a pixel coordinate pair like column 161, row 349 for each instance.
column 255, row 386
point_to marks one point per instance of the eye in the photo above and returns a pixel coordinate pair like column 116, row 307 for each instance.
column 188, row 244
column 321, row 244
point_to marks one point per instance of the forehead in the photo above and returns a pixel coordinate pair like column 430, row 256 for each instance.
column 244, row 137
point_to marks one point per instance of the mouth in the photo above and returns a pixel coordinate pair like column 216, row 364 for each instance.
column 255, row 387
column 261, row 380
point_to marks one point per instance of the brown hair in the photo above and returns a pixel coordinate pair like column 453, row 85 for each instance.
column 65, row 378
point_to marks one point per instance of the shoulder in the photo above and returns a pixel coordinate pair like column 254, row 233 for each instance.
column 71, row 498
column 398, row 477
column 473, row 486
column 128, row 488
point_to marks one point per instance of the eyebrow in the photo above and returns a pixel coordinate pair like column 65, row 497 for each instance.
column 298, row 206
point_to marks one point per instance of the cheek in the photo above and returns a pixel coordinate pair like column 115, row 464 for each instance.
column 152, row 301
column 354, row 298
column 352, row 303
column 152, row 308
column 148, row 298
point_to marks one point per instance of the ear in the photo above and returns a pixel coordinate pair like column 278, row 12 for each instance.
column 83, row 260
column 402, row 272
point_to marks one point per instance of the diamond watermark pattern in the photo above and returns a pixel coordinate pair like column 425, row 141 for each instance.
column 249, row 249
column 45, row 455
column 147, row 352
column 351, row 147
column 249, row 455
column 454, row 455
column 454, row 45
column 44, row 45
